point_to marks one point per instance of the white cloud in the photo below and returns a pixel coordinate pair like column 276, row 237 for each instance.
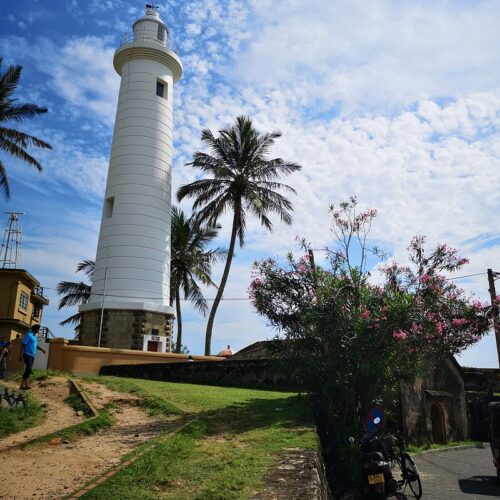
column 79, row 70
column 383, row 54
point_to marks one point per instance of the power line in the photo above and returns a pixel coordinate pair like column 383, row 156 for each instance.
column 466, row 276
column 228, row 298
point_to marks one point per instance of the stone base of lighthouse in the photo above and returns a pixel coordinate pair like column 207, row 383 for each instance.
column 125, row 328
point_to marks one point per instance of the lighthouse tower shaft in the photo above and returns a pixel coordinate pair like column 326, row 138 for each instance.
column 130, row 295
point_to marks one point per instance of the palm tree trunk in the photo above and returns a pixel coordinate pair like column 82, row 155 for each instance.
column 179, row 318
column 220, row 291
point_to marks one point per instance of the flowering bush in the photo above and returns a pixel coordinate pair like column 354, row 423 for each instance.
column 352, row 340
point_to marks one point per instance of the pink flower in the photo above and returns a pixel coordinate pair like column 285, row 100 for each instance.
column 440, row 326
column 365, row 314
column 400, row 335
column 458, row 322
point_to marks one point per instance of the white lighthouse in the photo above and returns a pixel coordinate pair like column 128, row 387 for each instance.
column 130, row 288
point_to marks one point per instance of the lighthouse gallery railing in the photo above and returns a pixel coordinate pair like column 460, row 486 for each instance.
column 146, row 36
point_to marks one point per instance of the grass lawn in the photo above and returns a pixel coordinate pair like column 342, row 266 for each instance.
column 18, row 420
column 235, row 435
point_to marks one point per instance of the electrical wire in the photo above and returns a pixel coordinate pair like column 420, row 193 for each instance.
column 466, row 276
column 230, row 298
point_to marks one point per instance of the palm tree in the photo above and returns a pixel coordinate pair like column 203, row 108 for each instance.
column 191, row 261
column 241, row 179
column 75, row 293
column 13, row 142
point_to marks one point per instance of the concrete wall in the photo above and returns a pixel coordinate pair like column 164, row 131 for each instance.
column 89, row 360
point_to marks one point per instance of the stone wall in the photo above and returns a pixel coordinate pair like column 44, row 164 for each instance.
column 482, row 379
column 300, row 474
column 11, row 399
column 434, row 407
column 236, row 373
column 123, row 329
column 482, row 386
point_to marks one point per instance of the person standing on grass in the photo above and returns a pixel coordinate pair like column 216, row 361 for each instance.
column 29, row 347
column 4, row 355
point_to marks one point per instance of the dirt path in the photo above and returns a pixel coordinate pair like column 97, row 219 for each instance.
column 50, row 393
column 51, row 472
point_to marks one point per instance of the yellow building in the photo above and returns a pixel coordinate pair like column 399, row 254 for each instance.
column 21, row 302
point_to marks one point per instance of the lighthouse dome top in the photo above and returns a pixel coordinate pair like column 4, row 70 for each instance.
column 149, row 40
column 150, row 22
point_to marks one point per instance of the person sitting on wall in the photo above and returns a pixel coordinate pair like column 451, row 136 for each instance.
column 29, row 347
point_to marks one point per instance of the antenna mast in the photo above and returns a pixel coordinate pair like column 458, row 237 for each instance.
column 10, row 253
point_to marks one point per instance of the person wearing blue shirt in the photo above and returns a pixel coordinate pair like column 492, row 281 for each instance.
column 29, row 347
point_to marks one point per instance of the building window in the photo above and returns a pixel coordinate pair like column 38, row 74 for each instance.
column 160, row 89
column 155, row 331
column 108, row 207
column 161, row 33
column 23, row 301
column 37, row 309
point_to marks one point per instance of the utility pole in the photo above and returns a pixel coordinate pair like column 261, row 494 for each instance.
column 494, row 308
column 311, row 259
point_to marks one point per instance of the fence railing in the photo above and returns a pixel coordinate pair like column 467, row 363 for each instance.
column 147, row 36
column 38, row 291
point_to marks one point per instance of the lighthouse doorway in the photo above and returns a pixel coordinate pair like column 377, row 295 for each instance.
column 155, row 343
column 152, row 346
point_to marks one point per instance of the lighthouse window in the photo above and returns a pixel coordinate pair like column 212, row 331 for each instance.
column 160, row 89
column 108, row 207
column 161, row 33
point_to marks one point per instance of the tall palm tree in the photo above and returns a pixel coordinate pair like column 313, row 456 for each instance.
column 242, row 179
column 191, row 261
column 13, row 142
column 75, row 293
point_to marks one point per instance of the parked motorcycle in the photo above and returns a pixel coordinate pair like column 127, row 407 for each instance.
column 380, row 461
column 377, row 468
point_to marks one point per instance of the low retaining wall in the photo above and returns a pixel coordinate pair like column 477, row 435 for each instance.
column 235, row 373
column 300, row 474
column 87, row 360
column 11, row 399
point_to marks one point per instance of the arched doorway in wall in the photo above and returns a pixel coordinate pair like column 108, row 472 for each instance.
column 438, row 425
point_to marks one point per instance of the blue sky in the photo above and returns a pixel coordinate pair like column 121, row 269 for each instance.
column 397, row 102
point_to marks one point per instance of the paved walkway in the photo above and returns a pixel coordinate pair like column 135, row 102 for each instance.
column 458, row 474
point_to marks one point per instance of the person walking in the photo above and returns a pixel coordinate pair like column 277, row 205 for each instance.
column 4, row 355
column 29, row 347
